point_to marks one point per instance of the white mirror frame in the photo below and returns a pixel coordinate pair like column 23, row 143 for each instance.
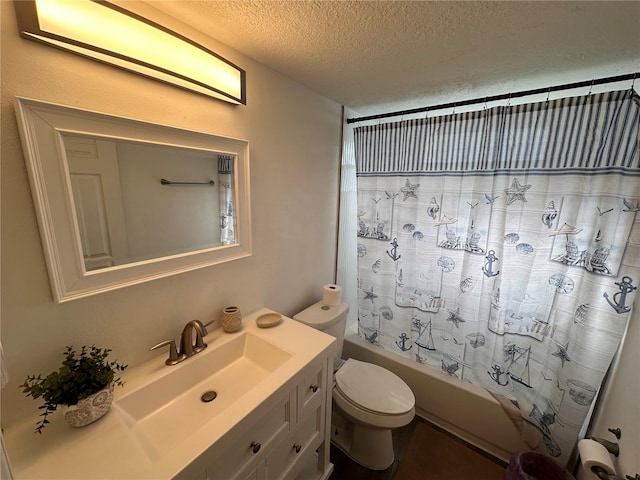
column 41, row 127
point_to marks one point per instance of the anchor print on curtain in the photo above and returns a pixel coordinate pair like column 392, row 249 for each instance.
column 503, row 247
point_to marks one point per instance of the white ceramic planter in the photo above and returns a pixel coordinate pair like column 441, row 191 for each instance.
column 89, row 409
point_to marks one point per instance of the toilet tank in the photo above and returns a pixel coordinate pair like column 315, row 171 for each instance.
column 330, row 320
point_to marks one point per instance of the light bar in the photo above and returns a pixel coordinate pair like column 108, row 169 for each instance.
column 110, row 34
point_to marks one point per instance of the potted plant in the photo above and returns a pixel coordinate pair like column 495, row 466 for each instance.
column 84, row 383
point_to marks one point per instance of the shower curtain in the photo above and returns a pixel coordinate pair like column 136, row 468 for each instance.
column 503, row 247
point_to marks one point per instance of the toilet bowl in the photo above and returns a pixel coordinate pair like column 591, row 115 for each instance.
column 368, row 400
column 373, row 395
column 375, row 401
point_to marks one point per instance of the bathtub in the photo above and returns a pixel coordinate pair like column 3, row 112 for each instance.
column 462, row 409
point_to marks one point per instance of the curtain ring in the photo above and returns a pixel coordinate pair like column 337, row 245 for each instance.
column 485, row 103
column 454, row 108
column 633, row 81
column 546, row 103
column 509, row 101
column 591, row 87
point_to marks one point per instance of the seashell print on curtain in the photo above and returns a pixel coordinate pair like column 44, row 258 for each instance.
column 503, row 247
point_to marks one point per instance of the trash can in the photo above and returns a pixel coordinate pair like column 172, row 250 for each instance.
column 535, row 466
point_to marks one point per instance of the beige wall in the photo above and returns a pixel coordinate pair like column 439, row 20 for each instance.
column 294, row 137
column 618, row 406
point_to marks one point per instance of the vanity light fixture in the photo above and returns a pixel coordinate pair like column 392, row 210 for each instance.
column 111, row 34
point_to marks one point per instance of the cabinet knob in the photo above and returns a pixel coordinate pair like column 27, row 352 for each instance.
column 314, row 388
column 255, row 447
column 297, row 447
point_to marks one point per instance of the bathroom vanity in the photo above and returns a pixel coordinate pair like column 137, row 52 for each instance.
column 270, row 418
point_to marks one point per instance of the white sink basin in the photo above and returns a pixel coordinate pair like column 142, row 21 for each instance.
column 167, row 410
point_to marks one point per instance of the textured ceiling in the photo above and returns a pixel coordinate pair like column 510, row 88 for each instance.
column 365, row 53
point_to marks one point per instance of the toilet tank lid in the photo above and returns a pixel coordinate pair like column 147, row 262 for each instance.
column 321, row 316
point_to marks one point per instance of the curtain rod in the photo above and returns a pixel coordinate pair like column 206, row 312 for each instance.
column 523, row 93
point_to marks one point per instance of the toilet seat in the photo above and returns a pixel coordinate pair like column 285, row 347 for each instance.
column 374, row 389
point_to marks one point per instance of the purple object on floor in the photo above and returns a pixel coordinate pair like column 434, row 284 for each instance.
column 535, row 466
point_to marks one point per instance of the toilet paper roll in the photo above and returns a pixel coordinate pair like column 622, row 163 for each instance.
column 593, row 454
column 331, row 295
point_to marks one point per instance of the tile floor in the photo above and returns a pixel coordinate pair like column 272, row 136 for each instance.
column 425, row 452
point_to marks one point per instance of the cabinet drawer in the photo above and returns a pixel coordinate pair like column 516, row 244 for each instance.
column 303, row 441
column 242, row 455
column 312, row 390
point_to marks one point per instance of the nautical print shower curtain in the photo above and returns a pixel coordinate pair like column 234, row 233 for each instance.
column 503, row 247
column 225, row 189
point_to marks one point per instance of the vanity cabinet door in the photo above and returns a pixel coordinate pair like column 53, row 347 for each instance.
column 285, row 440
column 289, row 456
column 312, row 389
column 301, row 444
column 240, row 455
column 245, row 453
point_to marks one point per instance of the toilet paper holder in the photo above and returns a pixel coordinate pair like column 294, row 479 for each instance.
column 602, row 474
column 616, row 432
column 612, row 447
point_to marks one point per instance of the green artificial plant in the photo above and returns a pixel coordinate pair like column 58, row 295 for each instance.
column 79, row 376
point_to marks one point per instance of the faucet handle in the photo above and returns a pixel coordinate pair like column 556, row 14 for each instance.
column 174, row 358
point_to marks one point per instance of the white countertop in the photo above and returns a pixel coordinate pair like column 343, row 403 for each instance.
column 109, row 449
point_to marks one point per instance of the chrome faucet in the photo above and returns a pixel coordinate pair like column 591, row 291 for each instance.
column 187, row 346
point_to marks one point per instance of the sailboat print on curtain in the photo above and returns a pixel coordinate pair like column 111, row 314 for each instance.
column 529, row 240
column 425, row 337
column 518, row 368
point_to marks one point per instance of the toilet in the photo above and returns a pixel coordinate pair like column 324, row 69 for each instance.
column 368, row 400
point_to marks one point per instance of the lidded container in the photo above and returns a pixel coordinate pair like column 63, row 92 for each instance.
column 330, row 320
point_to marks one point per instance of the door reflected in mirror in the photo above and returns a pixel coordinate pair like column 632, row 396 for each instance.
column 122, row 201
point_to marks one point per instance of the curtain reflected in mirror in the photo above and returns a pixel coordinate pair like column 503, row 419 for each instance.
column 227, row 216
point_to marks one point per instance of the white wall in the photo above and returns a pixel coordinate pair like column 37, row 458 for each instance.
column 294, row 137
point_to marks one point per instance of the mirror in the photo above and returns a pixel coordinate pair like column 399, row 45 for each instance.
column 121, row 201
